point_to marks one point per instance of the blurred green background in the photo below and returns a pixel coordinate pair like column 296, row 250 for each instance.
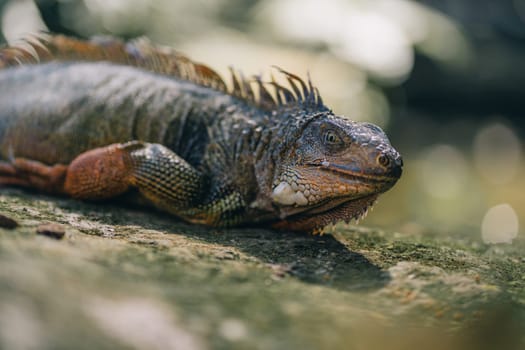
column 444, row 78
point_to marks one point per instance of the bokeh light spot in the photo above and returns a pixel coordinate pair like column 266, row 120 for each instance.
column 500, row 224
column 497, row 153
column 366, row 37
column 443, row 171
column 21, row 18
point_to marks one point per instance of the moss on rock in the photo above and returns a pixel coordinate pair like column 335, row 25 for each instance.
column 129, row 278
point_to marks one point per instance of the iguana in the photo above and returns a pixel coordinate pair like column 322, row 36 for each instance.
column 97, row 119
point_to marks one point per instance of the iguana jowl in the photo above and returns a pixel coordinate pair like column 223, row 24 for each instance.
column 97, row 119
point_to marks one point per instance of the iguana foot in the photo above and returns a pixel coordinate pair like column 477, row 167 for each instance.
column 29, row 173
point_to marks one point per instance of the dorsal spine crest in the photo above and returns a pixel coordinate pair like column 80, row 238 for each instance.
column 142, row 53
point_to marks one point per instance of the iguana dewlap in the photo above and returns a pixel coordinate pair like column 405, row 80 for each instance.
column 95, row 120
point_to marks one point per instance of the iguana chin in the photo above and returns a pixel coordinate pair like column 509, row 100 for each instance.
column 97, row 119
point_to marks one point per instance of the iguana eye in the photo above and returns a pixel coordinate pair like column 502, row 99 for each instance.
column 331, row 138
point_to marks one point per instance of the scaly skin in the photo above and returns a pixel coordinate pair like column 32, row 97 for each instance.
column 94, row 120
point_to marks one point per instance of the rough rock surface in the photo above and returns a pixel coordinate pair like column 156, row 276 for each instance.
column 131, row 278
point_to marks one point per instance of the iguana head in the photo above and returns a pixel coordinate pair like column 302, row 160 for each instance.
column 330, row 169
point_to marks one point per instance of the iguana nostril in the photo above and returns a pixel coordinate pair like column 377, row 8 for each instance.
column 397, row 166
column 399, row 161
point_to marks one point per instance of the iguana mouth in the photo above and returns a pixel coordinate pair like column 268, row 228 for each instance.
column 352, row 175
column 336, row 186
column 328, row 213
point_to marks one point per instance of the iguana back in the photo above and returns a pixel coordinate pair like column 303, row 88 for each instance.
column 54, row 111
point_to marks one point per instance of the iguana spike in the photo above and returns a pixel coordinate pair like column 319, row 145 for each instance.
column 278, row 96
column 311, row 90
column 6, row 56
column 292, row 78
column 236, row 85
column 265, row 98
column 39, row 49
column 248, row 90
column 318, row 99
column 283, row 94
column 294, row 86
column 209, row 77
column 288, row 95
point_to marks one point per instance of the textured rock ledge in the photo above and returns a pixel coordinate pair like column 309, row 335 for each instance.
column 128, row 278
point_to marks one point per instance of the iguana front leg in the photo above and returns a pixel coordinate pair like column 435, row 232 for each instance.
column 160, row 175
